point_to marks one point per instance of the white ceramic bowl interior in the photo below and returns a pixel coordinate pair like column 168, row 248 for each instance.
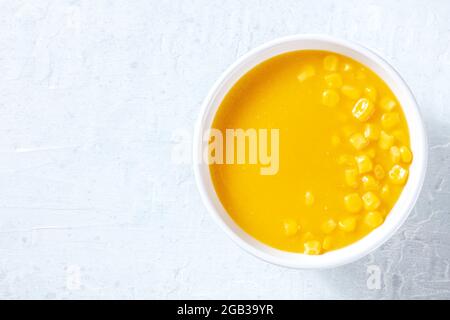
column 401, row 209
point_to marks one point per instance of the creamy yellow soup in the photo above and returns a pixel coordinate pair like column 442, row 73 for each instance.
column 344, row 152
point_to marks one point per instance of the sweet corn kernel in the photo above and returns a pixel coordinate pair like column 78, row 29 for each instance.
column 333, row 80
column 345, row 159
column 363, row 109
column 312, row 247
column 390, row 120
column 371, row 153
column 385, row 191
column 361, row 74
column 347, row 224
column 348, row 130
column 328, row 226
column 306, row 73
column 330, row 63
column 346, row 67
column 290, row 227
column 378, row 171
column 363, row 163
column 327, row 243
column 371, row 93
column 387, row 104
column 369, row 183
column 401, row 136
column 371, row 201
column 383, row 212
column 386, row 141
column 371, row 131
column 353, row 202
column 330, row 98
column 398, row 174
column 307, row 236
column 309, row 198
column 358, row 141
column 406, row 154
column 394, row 152
column 373, row 219
column 335, row 140
column 351, row 177
column 350, row 92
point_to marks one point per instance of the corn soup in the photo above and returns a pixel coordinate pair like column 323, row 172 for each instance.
column 344, row 152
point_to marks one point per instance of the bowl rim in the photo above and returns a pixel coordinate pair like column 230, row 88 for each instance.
column 408, row 196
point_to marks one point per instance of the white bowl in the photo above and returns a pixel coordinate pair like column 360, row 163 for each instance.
column 402, row 207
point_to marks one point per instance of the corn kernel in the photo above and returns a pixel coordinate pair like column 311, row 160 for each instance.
column 360, row 74
column 371, row 153
column 345, row 159
column 383, row 212
column 390, row 120
column 306, row 73
column 348, row 130
column 394, row 152
column 363, row 109
column 398, row 174
column 386, row 141
column 350, row 92
column 363, row 163
column 401, row 136
column 371, row 201
column 351, row 177
column 333, row 80
column 335, row 140
column 378, row 171
column 353, row 202
column 346, row 67
column 371, row 93
column 369, row 183
column 309, row 198
column 327, row 243
column 330, row 98
column 371, row 131
column 406, row 154
column 312, row 247
column 387, row 104
column 330, row 63
column 290, row 227
column 373, row 219
column 307, row 236
column 347, row 224
column 328, row 226
column 358, row 141
column 385, row 191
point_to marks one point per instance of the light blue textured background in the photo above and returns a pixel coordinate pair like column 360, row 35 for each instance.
column 97, row 98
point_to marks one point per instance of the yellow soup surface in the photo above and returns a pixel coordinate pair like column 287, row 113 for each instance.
column 344, row 152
